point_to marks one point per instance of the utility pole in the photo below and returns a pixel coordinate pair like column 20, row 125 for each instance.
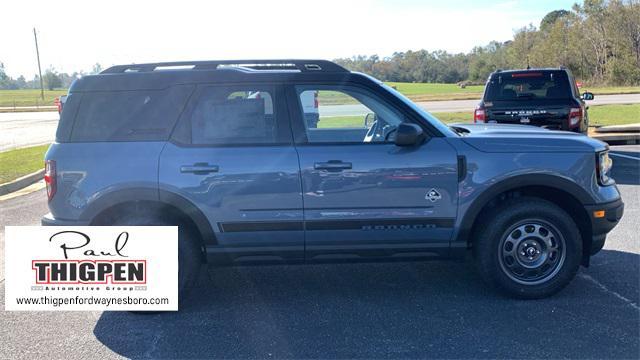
column 39, row 68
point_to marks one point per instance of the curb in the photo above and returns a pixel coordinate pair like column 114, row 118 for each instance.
column 629, row 128
column 617, row 134
column 21, row 182
column 618, row 138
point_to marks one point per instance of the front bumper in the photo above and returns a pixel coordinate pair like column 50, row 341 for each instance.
column 49, row 220
column 600, row 226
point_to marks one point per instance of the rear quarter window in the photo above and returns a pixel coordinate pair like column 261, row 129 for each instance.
column 69, row 111
column 135, row 115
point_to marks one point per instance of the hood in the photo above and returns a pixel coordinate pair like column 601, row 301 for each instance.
column 525, row 138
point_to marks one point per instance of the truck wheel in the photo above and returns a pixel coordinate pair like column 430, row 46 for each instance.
column 189, row 253
column 531, row 248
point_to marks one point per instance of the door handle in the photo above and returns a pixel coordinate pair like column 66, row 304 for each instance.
column 199, row 168
column 332, row 165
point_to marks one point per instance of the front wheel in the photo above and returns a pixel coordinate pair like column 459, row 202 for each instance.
column 531, row 249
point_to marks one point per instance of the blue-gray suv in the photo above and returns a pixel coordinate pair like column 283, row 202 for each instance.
column 302, row 161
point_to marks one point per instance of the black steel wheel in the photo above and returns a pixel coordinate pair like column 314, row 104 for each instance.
column 532, row 251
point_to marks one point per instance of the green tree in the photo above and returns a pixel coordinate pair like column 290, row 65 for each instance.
column 97, row 68
column 6, row 82
column 21, row 82
column 550, row 19
column 3, row 76
column 52, row 79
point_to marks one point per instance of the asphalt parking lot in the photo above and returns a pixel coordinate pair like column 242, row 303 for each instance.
column 391, row 310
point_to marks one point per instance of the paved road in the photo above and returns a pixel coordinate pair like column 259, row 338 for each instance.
column 394, row 310
column 32, row 128
column 27, row 128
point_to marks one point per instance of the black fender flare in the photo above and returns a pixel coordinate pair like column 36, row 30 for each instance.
column 184, row 205
column 513, row 183
column 192, row 211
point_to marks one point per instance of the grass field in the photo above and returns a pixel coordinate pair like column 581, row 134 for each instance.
column 358, row 121
column 433, row 92
column 28, row 97
column 600, row 115
column 414, row 91
column 603, row 115
column 608, row 90
column 20, row 162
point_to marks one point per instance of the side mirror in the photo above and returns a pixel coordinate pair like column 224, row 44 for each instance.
column 587, row 96
column 409, row 135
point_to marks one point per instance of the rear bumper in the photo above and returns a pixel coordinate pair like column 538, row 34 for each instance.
column 613, row 212
column 49, row 220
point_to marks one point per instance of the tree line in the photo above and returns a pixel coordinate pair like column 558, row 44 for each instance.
column 599, row 41
column 52, row 79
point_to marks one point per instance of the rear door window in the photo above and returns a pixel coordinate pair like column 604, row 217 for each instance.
column 234, row 115
column 528, row 85
column 138, row 115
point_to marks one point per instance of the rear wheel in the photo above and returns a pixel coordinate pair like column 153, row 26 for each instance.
column 531, row 249
column 189, row 252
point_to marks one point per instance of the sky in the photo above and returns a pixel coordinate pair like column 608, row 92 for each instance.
column 74, row 35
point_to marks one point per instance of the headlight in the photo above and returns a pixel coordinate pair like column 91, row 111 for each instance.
column 603, row 167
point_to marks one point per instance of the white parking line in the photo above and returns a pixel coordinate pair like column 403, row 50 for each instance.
column 625, row 156
column 605, row 289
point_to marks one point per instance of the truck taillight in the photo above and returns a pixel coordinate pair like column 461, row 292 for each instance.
column 315, row 100
column 575, row 115
column 50, row 178
column 479, row 115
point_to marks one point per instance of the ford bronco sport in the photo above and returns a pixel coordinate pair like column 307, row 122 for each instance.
column 224, row 150
column 543, row 97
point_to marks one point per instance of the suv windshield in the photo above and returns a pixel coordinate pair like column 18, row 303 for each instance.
column 528, row 85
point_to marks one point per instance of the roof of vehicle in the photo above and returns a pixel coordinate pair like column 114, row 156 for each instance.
column 163, row 74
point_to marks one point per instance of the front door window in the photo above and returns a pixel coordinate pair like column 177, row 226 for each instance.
column 345, row 115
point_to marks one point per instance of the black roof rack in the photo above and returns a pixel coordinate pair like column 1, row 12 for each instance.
column 300, row 65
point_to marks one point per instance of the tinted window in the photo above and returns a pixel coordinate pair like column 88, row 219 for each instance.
column 529, row 85
column 139, row 115
column 229, row 115
column 345, row 114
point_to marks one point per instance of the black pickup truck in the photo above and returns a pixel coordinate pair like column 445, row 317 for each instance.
column 543, row 97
